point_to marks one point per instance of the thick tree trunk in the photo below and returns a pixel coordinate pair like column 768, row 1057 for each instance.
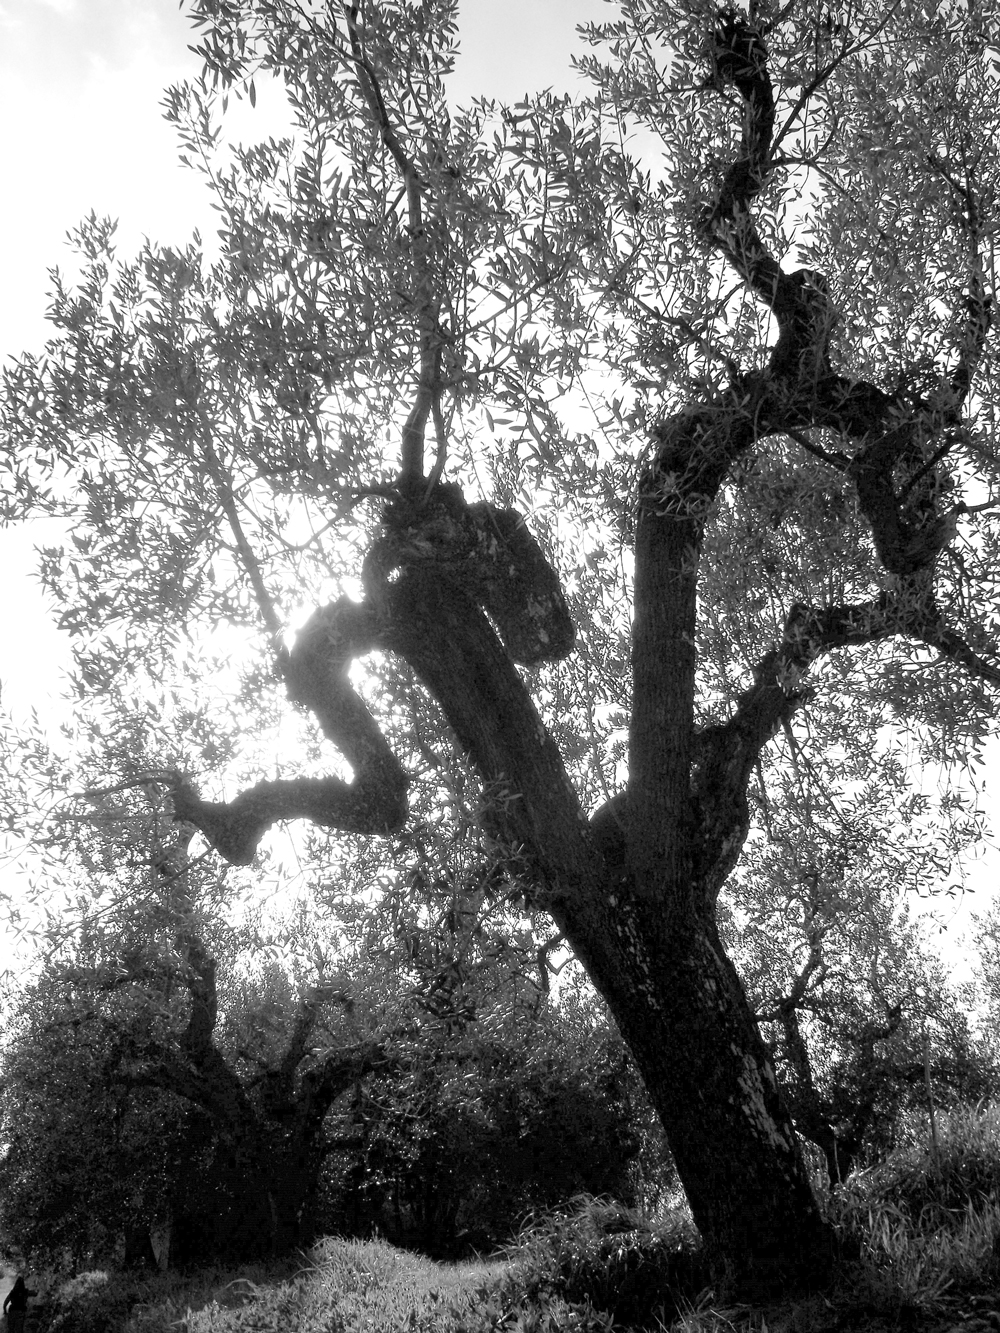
column 648, row 940
column 683, row 1012
column 634, row 890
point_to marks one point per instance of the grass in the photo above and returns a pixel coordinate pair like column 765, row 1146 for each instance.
column 348, row 1286
column 923, row 1230
column 925, row 1222
column 598, row 1252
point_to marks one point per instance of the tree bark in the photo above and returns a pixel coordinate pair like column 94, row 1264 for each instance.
column 682, row 1010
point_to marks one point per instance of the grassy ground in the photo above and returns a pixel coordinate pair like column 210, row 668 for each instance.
column 922, row 1230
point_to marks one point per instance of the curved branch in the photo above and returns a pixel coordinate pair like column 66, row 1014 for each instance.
column 195, row 1070
column 157, row 1066
column 316, row 671
column 726, row 753
column 740, row 58
column 799, row 301
column 439, row 561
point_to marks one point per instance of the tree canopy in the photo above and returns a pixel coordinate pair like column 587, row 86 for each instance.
column 616, row 435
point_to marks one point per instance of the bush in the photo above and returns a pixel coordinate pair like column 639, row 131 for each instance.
column 94, row 1302
column 597, row 1252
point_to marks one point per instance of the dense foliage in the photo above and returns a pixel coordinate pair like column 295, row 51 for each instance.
column 192, row 1093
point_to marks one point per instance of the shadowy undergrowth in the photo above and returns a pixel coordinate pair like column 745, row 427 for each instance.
column 926, row 1220
column 924, row 1226
column 600, row 1252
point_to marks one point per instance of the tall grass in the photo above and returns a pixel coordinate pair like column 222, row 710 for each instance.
column 928, row 1222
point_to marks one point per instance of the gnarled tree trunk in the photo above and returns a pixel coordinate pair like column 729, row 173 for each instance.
column 461, row 592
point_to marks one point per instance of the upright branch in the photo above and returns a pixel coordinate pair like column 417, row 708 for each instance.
column 427, row 307
column 894, row 445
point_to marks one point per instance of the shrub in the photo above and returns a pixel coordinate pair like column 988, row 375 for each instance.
column 597, row 1252
column 94, row 1302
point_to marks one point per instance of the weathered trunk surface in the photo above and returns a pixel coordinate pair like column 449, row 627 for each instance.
column 681, row 1008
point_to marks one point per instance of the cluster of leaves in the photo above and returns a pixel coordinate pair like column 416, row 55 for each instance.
column 454, row 1152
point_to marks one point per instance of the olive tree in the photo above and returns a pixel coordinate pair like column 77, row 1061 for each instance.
column 761, row 249
column 840, row 970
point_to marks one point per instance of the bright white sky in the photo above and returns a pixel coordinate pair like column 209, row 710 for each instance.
column 80, row 86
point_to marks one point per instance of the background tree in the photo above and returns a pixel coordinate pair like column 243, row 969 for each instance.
column 839, row 969
column 87, row 1164
column 130, row 1046
column 243, row 1079
column 794, row 318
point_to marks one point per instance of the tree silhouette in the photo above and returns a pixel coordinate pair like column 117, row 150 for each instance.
column 813, row 517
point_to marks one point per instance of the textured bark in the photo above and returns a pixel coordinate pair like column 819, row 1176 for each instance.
column 683, row 1011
